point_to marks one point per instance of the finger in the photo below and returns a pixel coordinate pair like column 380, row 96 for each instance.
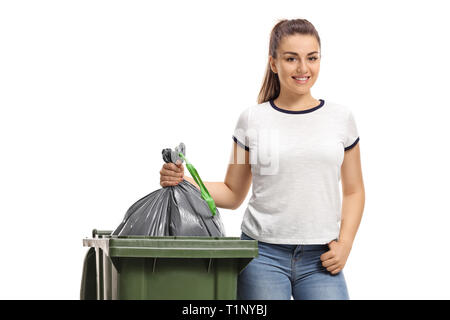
column 166, row 172
column 165, row 184
column 170, row 178
column 329, row 262
column 336, row 271
column 171, row 166
column 333, row 267
column 178, row 168
column 327, row 255
column 168, row 183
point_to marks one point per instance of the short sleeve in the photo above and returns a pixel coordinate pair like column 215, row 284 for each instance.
column 240, row 131
column 351, row 132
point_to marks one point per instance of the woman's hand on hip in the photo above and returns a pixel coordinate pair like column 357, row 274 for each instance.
column 334, row 259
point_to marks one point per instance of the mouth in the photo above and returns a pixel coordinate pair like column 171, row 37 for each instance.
column 301, row 80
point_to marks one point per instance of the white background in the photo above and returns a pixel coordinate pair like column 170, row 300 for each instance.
column 92, row 91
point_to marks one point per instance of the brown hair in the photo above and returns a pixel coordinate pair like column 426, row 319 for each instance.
column 271, row 85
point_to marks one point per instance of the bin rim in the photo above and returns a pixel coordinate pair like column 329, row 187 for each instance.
column 174, row 246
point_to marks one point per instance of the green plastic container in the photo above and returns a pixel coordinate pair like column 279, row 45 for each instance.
column 163, row 268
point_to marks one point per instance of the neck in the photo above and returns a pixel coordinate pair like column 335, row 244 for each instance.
column 290, row 101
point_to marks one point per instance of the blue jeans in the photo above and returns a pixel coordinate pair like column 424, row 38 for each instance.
column 282, row 270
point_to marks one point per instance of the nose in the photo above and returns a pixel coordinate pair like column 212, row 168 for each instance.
column 301, row 67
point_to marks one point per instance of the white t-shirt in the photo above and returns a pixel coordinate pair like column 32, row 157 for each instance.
column 295, row 158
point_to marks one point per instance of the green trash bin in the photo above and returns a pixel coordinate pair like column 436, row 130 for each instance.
column 164, row 268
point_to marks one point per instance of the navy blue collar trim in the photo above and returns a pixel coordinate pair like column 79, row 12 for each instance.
column 322, row 102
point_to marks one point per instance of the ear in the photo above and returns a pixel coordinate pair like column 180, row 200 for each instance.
column 272, row 64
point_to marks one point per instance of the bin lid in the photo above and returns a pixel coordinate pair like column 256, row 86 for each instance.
column 174, row 247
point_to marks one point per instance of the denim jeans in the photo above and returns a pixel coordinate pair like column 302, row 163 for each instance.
column 282, row 270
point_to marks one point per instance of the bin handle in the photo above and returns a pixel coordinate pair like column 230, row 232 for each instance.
column 205, row 194
column 209, row 265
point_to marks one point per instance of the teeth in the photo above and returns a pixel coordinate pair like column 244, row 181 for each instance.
column 302, row 79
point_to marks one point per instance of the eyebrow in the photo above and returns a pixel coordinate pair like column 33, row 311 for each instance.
column 295, row 53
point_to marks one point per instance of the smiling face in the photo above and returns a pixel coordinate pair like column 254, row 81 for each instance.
column 298, row 56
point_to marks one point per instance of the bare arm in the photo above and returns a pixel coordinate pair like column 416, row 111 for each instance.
column 232, row 192
column 219, row 191
column 352, row 209
column 353, row 195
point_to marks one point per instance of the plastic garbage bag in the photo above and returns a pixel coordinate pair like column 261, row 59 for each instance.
column 173, row 156
column 179, row 210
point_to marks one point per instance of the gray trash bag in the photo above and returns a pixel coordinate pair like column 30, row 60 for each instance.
column 171, row 211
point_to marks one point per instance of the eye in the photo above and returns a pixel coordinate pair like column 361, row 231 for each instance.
column 310, row 58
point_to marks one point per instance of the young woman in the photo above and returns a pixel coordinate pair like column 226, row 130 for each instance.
column 293, row 149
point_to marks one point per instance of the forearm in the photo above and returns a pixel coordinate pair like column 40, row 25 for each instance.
column 219, row 191
column 352, row 210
